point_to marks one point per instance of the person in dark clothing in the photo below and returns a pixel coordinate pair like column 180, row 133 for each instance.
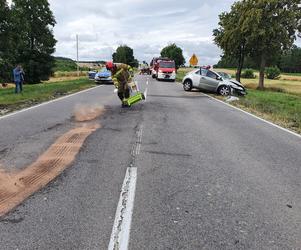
column 18, row 79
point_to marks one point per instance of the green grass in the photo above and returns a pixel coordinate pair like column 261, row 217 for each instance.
column 180, row 74
column 64, row 64
column 281, row 108
column 69, row 73
column 37, row 93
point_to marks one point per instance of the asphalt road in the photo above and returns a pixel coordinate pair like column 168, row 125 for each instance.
column 208, row 176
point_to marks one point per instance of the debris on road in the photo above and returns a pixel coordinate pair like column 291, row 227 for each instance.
column 232, row 99
column 84, row 113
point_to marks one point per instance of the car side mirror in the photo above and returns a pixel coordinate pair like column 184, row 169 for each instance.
column 219, row 78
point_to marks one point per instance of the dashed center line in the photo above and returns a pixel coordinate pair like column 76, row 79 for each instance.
column 120, row 235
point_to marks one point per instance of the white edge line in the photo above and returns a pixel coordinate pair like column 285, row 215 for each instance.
column 122, row 236
column 254, row 116
column 48, row 102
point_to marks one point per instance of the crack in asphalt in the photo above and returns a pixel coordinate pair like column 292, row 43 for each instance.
column 166, row 153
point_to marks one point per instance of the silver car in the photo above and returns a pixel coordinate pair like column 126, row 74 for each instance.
column 209, row 80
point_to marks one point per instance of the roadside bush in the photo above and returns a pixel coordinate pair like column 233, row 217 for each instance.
column 272, row 72
column 248, row 73
column 64, row 64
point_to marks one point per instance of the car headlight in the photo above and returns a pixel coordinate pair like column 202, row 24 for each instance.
column 235, row 87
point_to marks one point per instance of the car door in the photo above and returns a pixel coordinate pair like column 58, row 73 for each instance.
column 202, row 80
column 209, row 81
column 196, row 78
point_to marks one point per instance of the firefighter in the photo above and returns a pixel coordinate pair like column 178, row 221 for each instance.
column 121, row 76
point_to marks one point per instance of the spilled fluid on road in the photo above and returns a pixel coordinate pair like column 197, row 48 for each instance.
column 15, row 187
column 83, row 113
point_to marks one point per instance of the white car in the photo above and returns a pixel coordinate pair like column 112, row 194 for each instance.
column 209, row 80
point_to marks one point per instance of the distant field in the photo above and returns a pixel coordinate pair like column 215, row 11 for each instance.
column 66, row 74
column 287, row 83
column 292, row 74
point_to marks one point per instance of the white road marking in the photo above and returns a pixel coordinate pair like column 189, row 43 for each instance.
column 254, row 116
column 121, row 229
column 45, row 103
column 120, row 235
column 139, row 134
column 145, row 94
column 138, row 149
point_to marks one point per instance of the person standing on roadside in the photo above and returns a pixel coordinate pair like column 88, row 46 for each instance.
column 22, row 79
column 18, row 79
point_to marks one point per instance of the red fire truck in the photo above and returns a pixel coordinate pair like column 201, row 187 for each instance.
column 163, row 68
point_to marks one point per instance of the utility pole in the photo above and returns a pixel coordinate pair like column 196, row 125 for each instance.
column 77, row 55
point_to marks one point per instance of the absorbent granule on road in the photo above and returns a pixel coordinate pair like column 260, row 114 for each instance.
column 16, row 187
column 84, row 113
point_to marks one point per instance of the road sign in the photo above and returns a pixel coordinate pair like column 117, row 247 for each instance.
column 193, row 60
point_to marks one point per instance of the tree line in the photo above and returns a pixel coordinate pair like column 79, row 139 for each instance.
column 26, row 38
column 125, row 54
column 288, row 62
column 259, row 32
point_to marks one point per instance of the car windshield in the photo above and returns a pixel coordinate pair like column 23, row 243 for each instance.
column 224, row 75
column 167, row 64
column 103, row 70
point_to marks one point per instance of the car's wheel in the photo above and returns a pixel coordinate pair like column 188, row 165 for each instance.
column 224, row 90
column 187, row 85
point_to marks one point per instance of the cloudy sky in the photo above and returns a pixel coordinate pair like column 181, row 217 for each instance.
column 146, row 26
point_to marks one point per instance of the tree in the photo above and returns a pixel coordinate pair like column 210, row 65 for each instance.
column 232, row 62
column 230, row 38
column 125, row 54
column 5, row 42
column 33, row 24
column 290, row 61
column 270, row 26
column 175, row 53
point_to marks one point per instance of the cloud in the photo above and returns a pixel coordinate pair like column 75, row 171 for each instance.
column 146, row 26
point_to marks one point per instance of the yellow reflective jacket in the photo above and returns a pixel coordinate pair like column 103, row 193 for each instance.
column 121, row 76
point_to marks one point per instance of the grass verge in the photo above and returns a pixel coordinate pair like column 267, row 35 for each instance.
column 38, row 93
column 281, row 108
